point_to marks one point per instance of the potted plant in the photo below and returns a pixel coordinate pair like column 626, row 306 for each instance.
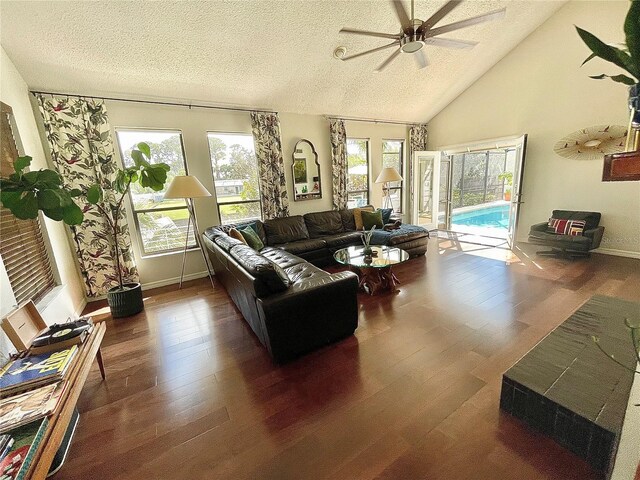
column 507, row 178
column 625, row 56
column 26, row 193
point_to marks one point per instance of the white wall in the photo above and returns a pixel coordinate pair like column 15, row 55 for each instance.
column 69, row 299
column 195, row 123
column 540, row 89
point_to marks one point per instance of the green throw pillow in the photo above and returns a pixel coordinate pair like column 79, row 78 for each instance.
column 369, row 219
column 252, row 238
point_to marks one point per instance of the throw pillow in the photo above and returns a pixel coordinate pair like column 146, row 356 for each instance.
column 386, row 214
column 357, row 216
column 234, row 233
column 369, row 219
column 251, row 238
column 563, row 226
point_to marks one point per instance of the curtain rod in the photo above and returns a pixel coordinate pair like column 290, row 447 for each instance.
column 155, row 102
column 369, row 120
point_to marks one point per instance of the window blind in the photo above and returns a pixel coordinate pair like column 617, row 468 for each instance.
column 22, row 247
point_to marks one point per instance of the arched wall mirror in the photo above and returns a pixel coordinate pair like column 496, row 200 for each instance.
column 306, row 172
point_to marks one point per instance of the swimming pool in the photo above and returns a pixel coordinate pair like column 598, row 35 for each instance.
column 494, row 216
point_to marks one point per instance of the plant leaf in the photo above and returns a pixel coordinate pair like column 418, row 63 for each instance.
column 53, row 213
column 26, row 207
column 31, row 178
column 616, row 78
column 72, row 215
column 94, row 194
column 606, row 52
column 590, row 57
column 144, row 148
column 21, row 163
column 75, row 192
column 49, row 178
column 48, row 199
column 9, row 199
column 138, row 158
column 632, row 33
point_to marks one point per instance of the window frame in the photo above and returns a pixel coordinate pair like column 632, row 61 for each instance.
column 400, row 208
column 132, row 208
column 215, row 191
column 368, row 189
column 48, row 273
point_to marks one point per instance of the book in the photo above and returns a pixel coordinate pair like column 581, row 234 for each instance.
column 6, row 442
column 35, row 371
column 27, row 407
column 26, row 441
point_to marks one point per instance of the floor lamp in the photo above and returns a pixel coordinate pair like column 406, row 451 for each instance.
column 189, row 187
column 388, row 175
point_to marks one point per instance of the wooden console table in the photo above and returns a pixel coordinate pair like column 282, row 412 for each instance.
column 59, row 420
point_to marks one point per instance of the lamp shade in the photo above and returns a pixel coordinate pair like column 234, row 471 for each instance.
column 389, row 174
column 186, row 186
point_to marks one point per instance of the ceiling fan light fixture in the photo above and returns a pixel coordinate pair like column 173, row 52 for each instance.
column 411, row 44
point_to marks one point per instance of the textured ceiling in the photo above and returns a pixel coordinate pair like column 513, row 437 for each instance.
column 259, row 53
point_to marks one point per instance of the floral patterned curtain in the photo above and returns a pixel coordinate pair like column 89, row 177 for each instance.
column 273, row 186
column 417, row 143
column 338, row 136
column 79, row 137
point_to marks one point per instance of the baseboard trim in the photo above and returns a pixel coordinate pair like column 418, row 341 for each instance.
column 617, row 253
column 173, row 280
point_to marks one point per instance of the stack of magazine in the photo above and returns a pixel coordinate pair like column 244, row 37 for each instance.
column 31, row 387
column 35, row 371
column 19, row 457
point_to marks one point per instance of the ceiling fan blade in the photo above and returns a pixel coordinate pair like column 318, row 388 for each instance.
column 403, row 16
column 421, row 59
column 450, row 43
column 355, row 31
column 466, row 23
column 367, row 52
column 388, row 61
column 440, row 14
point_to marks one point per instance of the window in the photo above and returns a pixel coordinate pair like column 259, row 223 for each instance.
column 357, row 172
column 235, row 172
column 393, row 156
column 22, row 246
column 161, row 224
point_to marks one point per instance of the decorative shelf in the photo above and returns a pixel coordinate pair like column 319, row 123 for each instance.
column 621, row 167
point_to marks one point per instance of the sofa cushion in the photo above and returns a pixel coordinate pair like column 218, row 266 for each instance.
column 344, row 239
column 281, row 257
column 226, row 242
column 357, row 215
column 302, row 246
column 592, row 219
column 579, row 242
column 261, row 268
column 566, row 227
column 323, row 223
column 406, row 233
column 251, row 238
column 255, row 224
column 234, row 233
column 285, row 230
column 304, row 271
column 348, row 221
column 371, row 219
column 386, row 214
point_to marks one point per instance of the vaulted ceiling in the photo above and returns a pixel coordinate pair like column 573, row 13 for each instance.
column 259, row 53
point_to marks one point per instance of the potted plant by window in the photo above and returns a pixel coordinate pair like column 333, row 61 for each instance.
column 627, row 57
column 507, row 178
column 26, row 193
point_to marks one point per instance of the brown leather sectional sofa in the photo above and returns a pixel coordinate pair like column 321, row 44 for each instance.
column 292, row 305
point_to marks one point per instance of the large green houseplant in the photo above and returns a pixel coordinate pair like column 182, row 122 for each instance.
column 625, row 56
column 26, row 193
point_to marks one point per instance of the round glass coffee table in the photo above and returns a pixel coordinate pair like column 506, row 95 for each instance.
column 373, row 270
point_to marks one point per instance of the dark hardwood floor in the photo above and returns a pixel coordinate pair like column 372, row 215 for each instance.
column 191, row 394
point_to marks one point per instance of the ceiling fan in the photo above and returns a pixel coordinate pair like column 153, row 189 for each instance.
column 415, row 33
